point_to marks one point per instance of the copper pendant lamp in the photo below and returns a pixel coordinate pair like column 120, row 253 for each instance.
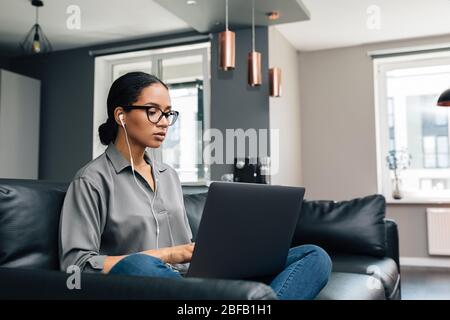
column 254, row 58
column 227, row 45
column 275, row 82
column 274, row 72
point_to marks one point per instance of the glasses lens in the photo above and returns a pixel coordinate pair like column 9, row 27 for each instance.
column 154, row 114
column 173, row 115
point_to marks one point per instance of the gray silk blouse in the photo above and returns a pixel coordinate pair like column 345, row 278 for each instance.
column 105, row 213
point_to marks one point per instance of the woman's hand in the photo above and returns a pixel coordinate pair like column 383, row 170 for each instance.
column 176, row 254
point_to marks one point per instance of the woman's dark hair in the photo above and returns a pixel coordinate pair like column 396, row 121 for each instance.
column 124, row 91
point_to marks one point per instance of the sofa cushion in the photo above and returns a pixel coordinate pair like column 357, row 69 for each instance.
column 29, row 223
column 194, row 204
column 355, row 226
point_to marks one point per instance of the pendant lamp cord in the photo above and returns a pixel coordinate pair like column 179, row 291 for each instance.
column 37, row 15
column 253, row 25
column 226, row 15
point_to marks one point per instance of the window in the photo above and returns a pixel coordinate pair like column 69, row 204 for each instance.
column 187, row 132
column 391, row 123
column 407, row 89
column 434, row 184
column 185, row 70
column 435, row 152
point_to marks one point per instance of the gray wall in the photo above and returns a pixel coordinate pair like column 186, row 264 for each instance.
column 4, row 62
column 234, row 104
column 338, row 133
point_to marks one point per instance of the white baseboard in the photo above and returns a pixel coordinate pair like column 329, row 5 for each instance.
column 425, row 262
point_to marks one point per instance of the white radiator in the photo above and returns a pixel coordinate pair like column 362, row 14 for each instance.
column 438, row 225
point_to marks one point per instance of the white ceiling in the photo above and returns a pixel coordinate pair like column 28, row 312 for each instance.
column 334, row 23
column 101, row 21
column 341, row 23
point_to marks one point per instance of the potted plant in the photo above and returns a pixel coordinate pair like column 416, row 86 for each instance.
column 398, row 160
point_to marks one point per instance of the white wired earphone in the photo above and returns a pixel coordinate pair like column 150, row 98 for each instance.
column 140, row 187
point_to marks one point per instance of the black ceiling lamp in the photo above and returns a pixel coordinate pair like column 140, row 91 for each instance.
column 444, row 99
column 35, row 41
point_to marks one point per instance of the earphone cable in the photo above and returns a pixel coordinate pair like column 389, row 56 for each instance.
column 140, row 187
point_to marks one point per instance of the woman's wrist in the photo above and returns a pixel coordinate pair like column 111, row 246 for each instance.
column 159, row 253
column 110, row 262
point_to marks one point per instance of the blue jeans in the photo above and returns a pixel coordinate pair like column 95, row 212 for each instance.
column 306, row 271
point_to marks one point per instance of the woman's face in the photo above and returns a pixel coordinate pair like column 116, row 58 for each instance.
column 139, row 127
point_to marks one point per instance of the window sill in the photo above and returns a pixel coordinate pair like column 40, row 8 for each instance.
column 418, row 201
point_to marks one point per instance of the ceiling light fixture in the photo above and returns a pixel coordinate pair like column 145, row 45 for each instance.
column 35, row 41
column 254, row 58
column 444, row 99
column 275, row 82
column 275, row 72
column 274, row 15
column 227, row 45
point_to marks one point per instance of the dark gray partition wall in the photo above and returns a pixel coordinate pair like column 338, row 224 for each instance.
column 234, row 104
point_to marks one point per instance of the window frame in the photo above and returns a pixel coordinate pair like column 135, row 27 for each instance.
column 381, row 66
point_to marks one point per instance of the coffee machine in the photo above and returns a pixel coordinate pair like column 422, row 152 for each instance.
column 246, row 170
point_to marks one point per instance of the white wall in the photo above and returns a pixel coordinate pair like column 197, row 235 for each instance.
column 337, row 121
column 284, row 113
column 19, row 126
column 338, row 133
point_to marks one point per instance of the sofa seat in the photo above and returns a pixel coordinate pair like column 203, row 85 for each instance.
column 350, row 286
column 383, row 269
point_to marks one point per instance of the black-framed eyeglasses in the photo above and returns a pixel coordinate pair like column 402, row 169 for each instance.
column 155, row 114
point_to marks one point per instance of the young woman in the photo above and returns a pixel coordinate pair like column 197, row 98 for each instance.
column 124, row 213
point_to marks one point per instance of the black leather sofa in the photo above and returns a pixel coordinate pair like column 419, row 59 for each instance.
column 362, row 243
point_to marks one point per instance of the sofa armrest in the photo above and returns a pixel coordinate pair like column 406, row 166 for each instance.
column 46, row 284
column 392, row 243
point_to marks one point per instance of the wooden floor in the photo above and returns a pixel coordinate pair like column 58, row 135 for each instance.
column 425, row 283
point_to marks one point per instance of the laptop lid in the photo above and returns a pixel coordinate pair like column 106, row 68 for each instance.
column 246, row 230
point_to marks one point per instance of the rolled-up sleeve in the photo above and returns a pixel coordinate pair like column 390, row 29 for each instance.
column 186, row 222
column 81, row 227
